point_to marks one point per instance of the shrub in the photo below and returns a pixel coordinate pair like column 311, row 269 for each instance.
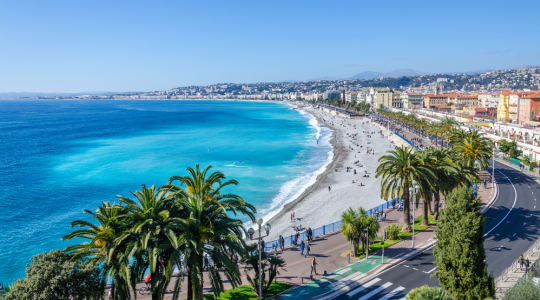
column 54, row 275
column 524, row 289
column 393, row 231
column 427, row 293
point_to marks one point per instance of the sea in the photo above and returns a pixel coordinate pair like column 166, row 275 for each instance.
column 59, row 157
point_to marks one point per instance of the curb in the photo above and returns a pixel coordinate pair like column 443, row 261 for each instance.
column 490, row 203
column 372, row 273
column 397, row 260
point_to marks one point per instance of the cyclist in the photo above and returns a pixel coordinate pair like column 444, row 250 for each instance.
column 148, row 281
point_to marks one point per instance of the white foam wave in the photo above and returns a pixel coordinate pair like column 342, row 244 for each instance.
column 292, row 189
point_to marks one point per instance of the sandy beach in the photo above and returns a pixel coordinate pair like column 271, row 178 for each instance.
column 358, row 144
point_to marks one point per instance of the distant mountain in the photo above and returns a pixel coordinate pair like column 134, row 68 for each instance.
column 395, row 73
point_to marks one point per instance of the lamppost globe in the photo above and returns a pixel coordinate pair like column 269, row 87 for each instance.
column 260, row 221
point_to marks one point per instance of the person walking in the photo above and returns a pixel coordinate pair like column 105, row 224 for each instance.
column 262, row 246
column 308, row 248
column 527, row 264
column 313, row 267
column 296, row 237
column 302, row 246
column 281, row 243
column 521, row 262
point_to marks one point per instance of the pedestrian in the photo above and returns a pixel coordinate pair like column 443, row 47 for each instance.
column 281, row 242
column 527, row 264
column 521, row 262
column 262, row 246
column 302, row 246
column 308, row 248
column 296, row 237
column 313, row 267
column 329, row 188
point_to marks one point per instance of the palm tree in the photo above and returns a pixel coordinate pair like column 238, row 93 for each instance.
column 474, row 147
column 151, row 239
column 350, row 229
column 272, row 263
column 354, row 226
column 398, row 169
column 111, row 222
column 207, row 229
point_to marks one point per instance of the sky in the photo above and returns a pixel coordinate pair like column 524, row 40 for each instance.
column 81, row 46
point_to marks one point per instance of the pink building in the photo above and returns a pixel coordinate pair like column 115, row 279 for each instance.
column 529, row 108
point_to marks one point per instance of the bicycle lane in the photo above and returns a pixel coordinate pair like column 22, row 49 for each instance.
column 337, row 279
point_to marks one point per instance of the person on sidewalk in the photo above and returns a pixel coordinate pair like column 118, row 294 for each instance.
column 302, row 246
column 281, row 242
column 521, row 262
column 527, row 264
column 308, row 248
column 313, row 267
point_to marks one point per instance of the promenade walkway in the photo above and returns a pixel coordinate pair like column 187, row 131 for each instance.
column 331, row 253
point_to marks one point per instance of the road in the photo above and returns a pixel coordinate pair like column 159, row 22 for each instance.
column 511, row 226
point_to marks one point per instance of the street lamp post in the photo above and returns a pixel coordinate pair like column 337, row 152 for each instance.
column 367, row 243
column 493, row 160
column 413, row 190
column 251, row 231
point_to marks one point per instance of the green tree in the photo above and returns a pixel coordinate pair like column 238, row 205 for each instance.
column 56, row 276
column 270, row 264
column 207, row 228
column 354, row 225
column 474, row 147
column 459, row 251
column 525, row 289
column 151, row 239
column 111, row 221
column 427, row 293
column 398, row 169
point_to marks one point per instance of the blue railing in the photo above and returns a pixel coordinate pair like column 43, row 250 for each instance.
column 327, row 228
column 407, row 140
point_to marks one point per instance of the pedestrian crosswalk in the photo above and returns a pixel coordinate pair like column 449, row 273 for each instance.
column 375, row 289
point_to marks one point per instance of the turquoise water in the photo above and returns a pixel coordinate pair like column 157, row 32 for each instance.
column 60, row 157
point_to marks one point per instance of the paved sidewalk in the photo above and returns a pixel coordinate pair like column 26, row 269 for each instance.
column 331, row 253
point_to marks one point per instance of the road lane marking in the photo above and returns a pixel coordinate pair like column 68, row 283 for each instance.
column 376, row 291
column 415, row 269
column 513, row 205
column 352, row 277
column 363, row 287
column 430, row 271
column 342, row 271
column 392, row 293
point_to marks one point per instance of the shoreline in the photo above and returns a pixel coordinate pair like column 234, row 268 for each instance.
column 336, row 153
column 317, row 205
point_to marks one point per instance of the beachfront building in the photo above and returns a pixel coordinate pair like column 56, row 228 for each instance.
column 396, row 100
column 383, row 98
column 529, row 109
column 461, row 100
column 488, row 100
column 435, row 102
column 412, row 101
column 507, row 108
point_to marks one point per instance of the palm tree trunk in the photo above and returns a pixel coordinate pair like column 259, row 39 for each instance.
column 154, row 289
column 436, row 204
column 425, row 219
column 189, row 285
column 199, row 295
column 406, row 206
